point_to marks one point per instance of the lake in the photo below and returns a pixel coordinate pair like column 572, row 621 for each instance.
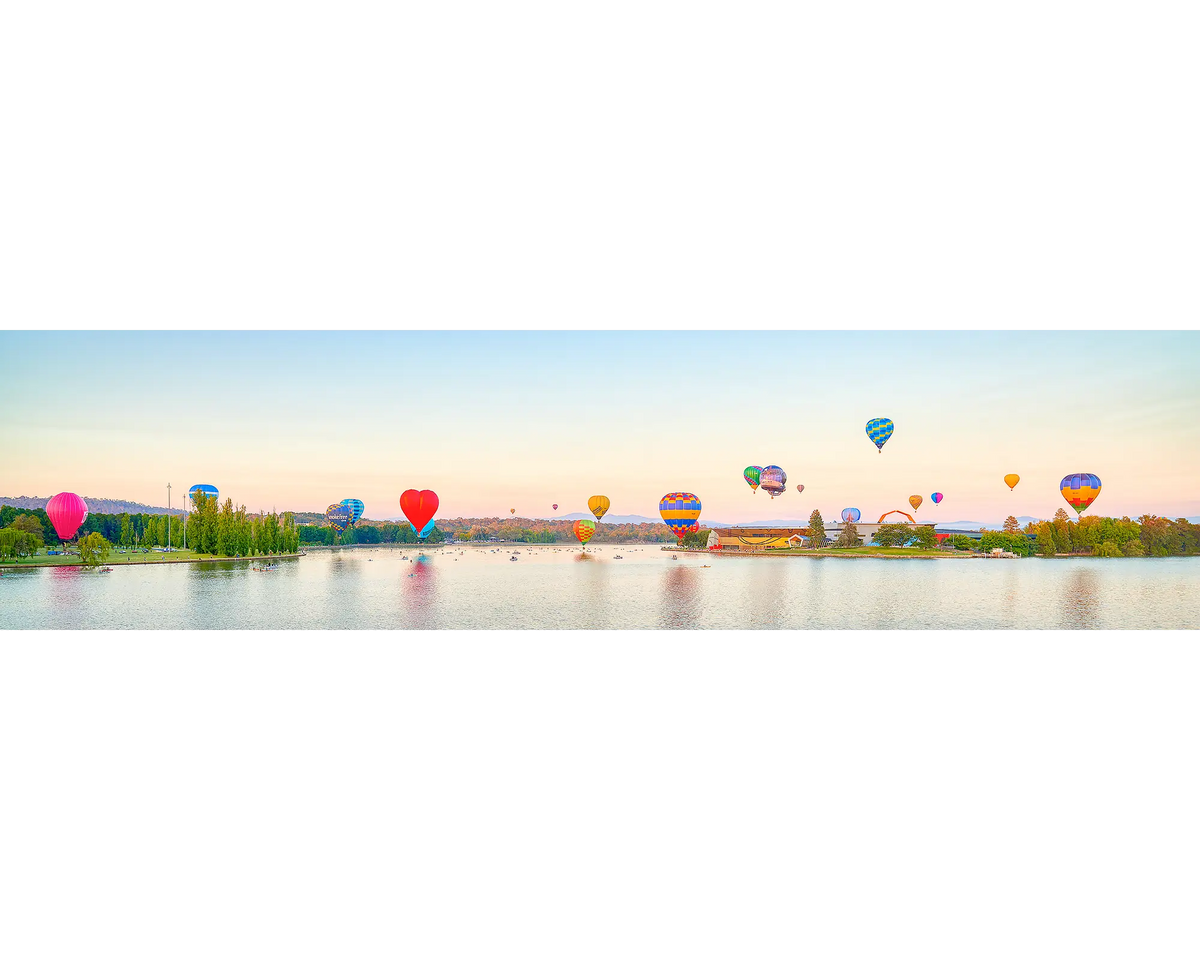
column 479, row 587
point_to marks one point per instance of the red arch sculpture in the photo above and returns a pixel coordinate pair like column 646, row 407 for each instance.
column 902, row 513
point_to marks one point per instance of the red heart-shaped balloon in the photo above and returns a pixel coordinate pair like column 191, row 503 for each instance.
column 419, row 506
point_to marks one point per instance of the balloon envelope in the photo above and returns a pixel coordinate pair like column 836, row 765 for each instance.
column 205, row 488
column 773, row 480
column 598, row 505
column 1080, row 490
column 916, row 500
column 680, row 511
column 880, row 430
column 513, row 510
column 554, row 505
column 935, row 497
column 419, row 506
column 337, row 515
column 799, row 488
column 851, row 515
column 356, row 509
column 584, row 530
column 1012, row 480
column 752, row 474
column 426, row 530
column 66, row 511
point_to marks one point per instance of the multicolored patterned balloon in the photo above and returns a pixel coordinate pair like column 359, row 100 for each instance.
column 1080, row 490
column 935, row 497
column 850, row 515
column 1012, row 480
column 598, row 505
column 680, row 511
column 752, row 474
column 337, row 515
column 356, row 509
column 916, row 500
column 773, row 480
column 880, row 430
column 584, row 530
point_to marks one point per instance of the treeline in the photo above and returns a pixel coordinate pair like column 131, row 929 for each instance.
column 1148, row 536
column 385, row 532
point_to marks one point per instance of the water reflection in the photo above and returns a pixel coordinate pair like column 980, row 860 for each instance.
column 421, row 591
column 680, row 598
column 1080, row 606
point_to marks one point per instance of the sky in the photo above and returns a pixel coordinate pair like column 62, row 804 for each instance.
column 493, row 420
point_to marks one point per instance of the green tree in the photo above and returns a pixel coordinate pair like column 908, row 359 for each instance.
column 126, row 531
column 847, row 536
column 93, row 549
column 816, row 529
column 1011, row 525
column 893, row 535
column 1108, row 549
column 925, row 538
column 29, row 524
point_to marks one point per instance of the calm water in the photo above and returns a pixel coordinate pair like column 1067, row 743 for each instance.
column 479, row 587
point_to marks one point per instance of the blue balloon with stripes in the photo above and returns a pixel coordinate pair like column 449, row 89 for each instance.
column 356, row 509
column 880, row 431
column 205, row 488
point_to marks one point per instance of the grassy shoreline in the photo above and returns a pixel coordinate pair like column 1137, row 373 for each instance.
column 138, row 559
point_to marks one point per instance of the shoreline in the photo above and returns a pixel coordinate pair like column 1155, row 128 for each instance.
column 34, row 565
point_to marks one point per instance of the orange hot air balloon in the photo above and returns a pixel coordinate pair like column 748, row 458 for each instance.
column 1012, row 480
column 513, row 510
column 584, row 530
column 916, row 500
column 598, row 505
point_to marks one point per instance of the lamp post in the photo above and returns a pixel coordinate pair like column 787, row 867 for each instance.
column 168, row 518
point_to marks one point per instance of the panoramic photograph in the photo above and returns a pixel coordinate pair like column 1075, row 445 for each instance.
column 615, row 480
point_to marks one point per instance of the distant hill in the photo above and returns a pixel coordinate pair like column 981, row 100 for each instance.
column 94, row 505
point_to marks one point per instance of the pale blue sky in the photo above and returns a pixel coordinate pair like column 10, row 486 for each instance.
column 493, row 420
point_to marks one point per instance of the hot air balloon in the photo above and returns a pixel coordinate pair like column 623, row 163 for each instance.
column 338, row 515
column 66, row 511
column 916, row 500
column 356, row 509
column 799, row 488
column 879, row 430
column 584, row 530
column 1080, row 489
column 554, row 505
column 598, row 505
column 680, row 512
column 419, row 506
column 513, row 510
column 1012, row 480
column 426, row 530
column 773, row 480
column 935, row 497
column 205, row 488
column 752, row 474
column 850, row 515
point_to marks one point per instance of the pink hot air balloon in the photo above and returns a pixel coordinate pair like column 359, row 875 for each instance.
column 66, row 511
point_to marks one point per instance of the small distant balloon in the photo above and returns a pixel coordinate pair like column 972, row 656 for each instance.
column 1012, row 480
column 598, row 505
column 752, row 474
column 880, row 431
column 773, row 480
column 513, row 510
column 799, row 488
column 554, row 505
column 1080, row 490
column 916, row 500
column 935, row 497
column 851, row 515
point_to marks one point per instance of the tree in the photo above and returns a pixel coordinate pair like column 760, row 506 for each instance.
column 894, row 535
column 1011, row 525
column 816, row 529
column 93, row 549
column 848, row 536
column 29, row 524
column 126, row 531
column 925, row 538
column 1108, row 549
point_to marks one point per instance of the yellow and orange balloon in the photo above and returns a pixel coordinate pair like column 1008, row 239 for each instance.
column 598, row 505
column 916, row 500
column 1012, row 480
